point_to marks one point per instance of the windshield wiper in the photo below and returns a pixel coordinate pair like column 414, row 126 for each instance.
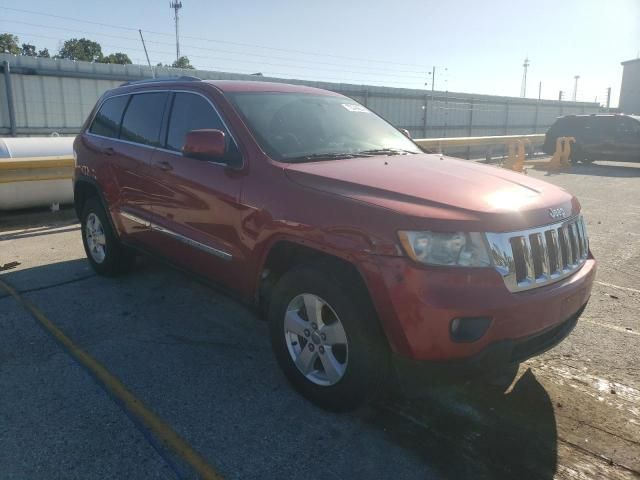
column 325, row 156
column 386, row 151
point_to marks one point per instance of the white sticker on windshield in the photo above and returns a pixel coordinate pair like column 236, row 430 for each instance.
column 352, row 107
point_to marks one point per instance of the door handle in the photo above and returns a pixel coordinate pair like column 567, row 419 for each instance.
column 164, row 165
column 108, row 151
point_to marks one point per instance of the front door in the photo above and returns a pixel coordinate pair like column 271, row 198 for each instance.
column 197, row 202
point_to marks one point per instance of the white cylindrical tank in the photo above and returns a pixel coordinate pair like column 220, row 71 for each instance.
column 37, row 193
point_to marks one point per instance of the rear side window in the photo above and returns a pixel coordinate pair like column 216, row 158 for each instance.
column 107, row 120
column 190, row 112
column 143, row 118
column 627, row 127
column 602, row 126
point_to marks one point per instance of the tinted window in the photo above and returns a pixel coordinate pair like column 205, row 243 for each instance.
column 602, row 126
column 628, row 127
column 107, row 120
column 143, row 118
column 190, row 112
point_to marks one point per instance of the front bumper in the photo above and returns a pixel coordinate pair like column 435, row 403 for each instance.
column 416, row 305
column 492, row 358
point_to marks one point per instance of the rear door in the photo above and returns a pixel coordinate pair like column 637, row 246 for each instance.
column 598, row 136
column 139, row 136
column 196, row 203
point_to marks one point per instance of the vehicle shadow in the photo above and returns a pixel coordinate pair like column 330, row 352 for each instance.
column 216, row 364
column 602, row 169
column 467, row 431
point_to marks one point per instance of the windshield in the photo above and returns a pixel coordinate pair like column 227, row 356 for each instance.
column 295, row 127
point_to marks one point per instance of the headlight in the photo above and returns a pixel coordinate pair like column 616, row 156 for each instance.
column 461, row 249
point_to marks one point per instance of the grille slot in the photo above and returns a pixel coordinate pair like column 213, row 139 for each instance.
column 540, row 256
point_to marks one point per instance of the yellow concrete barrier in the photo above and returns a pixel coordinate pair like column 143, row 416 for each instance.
column 441, row 143
column 560, row 158
column 32, row 169
column 516, row 155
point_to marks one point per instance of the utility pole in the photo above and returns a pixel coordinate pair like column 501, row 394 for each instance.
column 153, row 73
column 560, row 93
column 176, row 8
column 608, row 97
column 433, row 79
column 539, row 90
column 523, row 87
column 575, row 88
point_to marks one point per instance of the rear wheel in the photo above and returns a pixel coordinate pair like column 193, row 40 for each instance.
column 578, row 155
column 326, row 339
column 104, row 252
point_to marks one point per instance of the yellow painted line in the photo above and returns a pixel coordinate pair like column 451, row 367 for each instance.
column 150, row 420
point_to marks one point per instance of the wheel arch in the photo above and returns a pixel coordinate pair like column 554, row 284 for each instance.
column 284, row 254
column 85, row 188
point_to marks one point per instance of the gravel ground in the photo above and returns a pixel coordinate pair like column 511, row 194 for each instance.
column 202, row 363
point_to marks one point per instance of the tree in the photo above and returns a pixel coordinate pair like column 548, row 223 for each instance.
column 44, row 53
column 29, row 50
column 118, row 57
column 182, row 62
column 9, row 44
column 81, row 49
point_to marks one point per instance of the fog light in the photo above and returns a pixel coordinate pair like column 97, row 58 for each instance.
column 469, row 329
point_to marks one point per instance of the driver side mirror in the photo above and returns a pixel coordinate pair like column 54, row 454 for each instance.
column 205, row 144
column 405, row 132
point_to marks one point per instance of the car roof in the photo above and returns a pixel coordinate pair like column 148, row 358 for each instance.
column 599, row 115
column 225, row 86
column 257, row 86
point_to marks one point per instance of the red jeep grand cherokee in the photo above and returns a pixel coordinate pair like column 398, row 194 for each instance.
column 362, row 249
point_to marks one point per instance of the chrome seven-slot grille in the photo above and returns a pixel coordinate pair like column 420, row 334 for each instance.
column 540, row 256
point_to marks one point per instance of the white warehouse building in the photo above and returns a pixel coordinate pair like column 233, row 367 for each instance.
column 630, row 89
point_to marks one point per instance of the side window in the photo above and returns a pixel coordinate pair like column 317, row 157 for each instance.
column 107, row 120
column 628, row 127
column 143, row 118
column 606, row 126
column 190, row 112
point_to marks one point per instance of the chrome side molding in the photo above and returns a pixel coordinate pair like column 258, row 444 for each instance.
column 181, row 238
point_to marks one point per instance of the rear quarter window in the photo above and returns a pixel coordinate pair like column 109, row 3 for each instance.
column 107, row 121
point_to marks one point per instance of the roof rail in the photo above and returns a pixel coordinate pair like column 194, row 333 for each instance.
column 180, row 78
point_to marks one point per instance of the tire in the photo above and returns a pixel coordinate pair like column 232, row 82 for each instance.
column 578, row 155
column 346, row 358
column 104, row 252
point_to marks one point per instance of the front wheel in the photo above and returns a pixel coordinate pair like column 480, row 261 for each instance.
column 326, row 338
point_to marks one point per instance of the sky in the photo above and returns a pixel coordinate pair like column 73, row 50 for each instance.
column 476, row 46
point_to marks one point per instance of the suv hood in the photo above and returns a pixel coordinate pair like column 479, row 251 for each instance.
column 442, row 189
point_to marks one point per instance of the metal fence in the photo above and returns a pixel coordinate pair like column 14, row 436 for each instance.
column 48, row 95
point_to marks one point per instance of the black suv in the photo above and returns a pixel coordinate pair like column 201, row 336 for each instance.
column 598, row 137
